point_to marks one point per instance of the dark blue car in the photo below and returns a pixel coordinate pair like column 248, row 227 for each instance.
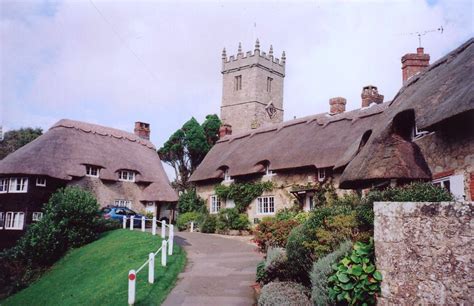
column 117, row 213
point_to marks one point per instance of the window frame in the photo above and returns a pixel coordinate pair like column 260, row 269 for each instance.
column 215, row 204
column 128, row 177
column 123, row 203
column 227, row 177
column 38, row 181
column 11, row 220
column 238, row 82
column 266, row 205
column 90, row 171
column 36, row 216
column 269, row 84
column 4, row 185
column 2, row 219
column 321, row 174
column 12, row 188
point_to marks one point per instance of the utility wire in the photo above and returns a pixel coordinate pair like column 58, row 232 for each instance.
column 124, row 41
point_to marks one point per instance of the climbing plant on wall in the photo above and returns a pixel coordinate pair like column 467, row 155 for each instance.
column 242, row 193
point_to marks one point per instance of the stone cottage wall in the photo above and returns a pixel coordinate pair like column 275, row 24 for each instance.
column 424, row 251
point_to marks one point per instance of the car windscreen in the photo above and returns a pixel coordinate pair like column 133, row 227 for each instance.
column 105, row 210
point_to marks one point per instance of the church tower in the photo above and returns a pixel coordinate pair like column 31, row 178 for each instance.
column 252, row 91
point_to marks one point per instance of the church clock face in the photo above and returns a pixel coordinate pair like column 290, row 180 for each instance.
column 271, row 110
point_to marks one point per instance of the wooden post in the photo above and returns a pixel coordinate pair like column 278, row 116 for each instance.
column 151, row 268
column 143, row 223
column 153, row 227
column 192, row 227
column 131, row 223
column 163, row 253
column 132, row 276
column 124, row 222
column 170, row 240
column 163, row 229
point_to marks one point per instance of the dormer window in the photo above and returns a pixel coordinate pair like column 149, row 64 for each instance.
column 3, row 185
column 41, row 182
column 18, row 185
column 417, row 134
column 321, row 174
column 227, row 175
column 92, row 171
column 268, row 171
column 127, row 176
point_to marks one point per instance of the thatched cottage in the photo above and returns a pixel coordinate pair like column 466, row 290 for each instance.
column 425, row 133
column 118, row 167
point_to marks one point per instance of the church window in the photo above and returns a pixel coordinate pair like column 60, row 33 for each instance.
column 269, row 84
column 238, row 82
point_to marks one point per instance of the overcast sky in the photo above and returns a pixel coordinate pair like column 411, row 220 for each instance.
column 116, row 62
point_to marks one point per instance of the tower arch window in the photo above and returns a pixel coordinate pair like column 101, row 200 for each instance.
column 269, row 84
column 238, row 82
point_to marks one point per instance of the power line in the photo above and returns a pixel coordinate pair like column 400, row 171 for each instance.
column 123, row 41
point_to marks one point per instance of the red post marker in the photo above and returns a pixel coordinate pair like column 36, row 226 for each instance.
column 131, row 277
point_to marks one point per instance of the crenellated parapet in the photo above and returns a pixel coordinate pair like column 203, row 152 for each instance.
column 253, row 58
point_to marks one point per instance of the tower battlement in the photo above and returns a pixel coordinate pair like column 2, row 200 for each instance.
column 253, row 58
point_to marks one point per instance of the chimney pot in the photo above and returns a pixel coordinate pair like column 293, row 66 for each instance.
column 142, row 130
column 337, row 105
column 414, row 63
column 224, row 130
column 370, row 95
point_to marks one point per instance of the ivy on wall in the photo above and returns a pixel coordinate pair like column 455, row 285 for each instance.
column 242, row 193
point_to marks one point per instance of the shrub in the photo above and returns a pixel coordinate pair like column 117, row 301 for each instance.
column 284, row 293
column 274, row 233
column 183, row 220
column 277, row 267
column 355, row 279
column 261, row 272
column 189, row 201
column 302, row 217
column 208, row 224
column 322, row 269
column 413, row 192
column 287, row 213
column 230, row 219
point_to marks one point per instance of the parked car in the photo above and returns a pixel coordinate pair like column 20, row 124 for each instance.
column 117, row 213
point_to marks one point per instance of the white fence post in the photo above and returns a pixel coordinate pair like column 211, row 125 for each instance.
column 170, row 240
column 192, row 226
column 132, row 276
column 153, row 227
column 143, row 223
column 151, row 268
column 131, row 223
column 163, row 229
column 124, row 222
column 163, row 253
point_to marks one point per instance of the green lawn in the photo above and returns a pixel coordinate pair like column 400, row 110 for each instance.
column 96, row 274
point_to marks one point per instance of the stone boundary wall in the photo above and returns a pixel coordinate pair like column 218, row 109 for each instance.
column 425, row 252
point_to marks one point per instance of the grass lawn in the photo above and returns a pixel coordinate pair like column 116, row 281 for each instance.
column 97, row 274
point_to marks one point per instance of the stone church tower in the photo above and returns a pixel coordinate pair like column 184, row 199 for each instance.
column 252, row 93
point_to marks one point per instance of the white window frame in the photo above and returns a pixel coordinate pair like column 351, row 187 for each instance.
column 417, row 134
column 123, row 203
column 126, row 176
column 456, row 185
column 266, row 205
column 215, row 204
column 92, row 171
column 268, row 171
column 37, row 215
column 16, row 182
column 2, row 219
column 227, row 177
column 41, row 181
column 4, row 185
column 321, row 174
column 14, row 220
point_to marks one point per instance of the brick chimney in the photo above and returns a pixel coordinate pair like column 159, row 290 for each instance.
column 337, row 105
column 142, row 130
column 413, row 63
column 370, row 95
column 224, row 130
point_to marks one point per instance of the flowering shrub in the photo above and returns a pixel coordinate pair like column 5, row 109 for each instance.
column 284, row 293
column 274, row 233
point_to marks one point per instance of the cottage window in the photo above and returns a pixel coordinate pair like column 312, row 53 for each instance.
column 268, row 171
column 41, row 182
column 2, row 220
column 3, row 185
column 126, row 175
column 237, row 82
column 18, row 185
column 311, row 202
column 417, row 134
column 269, row 84
column 123, row 203
column 14, row 220
column 266, row 205
column 92, row 171
column 454, row 184
column 227, row 176
column 321, row 174
column 37, row 216
column 215, row 204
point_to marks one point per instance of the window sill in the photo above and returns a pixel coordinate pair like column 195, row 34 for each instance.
column 265, row 214
column 13, row 229
column 18, row 191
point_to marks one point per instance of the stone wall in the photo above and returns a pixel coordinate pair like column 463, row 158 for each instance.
column 424, row 251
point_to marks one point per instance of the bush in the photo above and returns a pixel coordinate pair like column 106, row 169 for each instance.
column 208, row 224
column 183, row 220
column 355, row 279
column 413, row 192
column 322, row 269
column 273, row 233
column 276, row 266
column 189, row 201
column 230, row 219
column 284, row 293
column 261, row 274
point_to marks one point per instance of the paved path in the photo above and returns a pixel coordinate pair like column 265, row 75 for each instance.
column 219, row 271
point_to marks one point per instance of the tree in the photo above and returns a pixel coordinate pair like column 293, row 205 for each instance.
column 187, row 147
column 15, row 139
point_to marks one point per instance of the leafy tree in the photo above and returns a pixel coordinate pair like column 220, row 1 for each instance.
column 187, row 147
column 15, row 139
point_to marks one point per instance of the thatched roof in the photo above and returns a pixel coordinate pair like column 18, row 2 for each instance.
column 63, row 151
column 316, row 141
column 443, row 91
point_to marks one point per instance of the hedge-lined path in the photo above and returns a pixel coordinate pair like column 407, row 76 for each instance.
column 220, row 271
